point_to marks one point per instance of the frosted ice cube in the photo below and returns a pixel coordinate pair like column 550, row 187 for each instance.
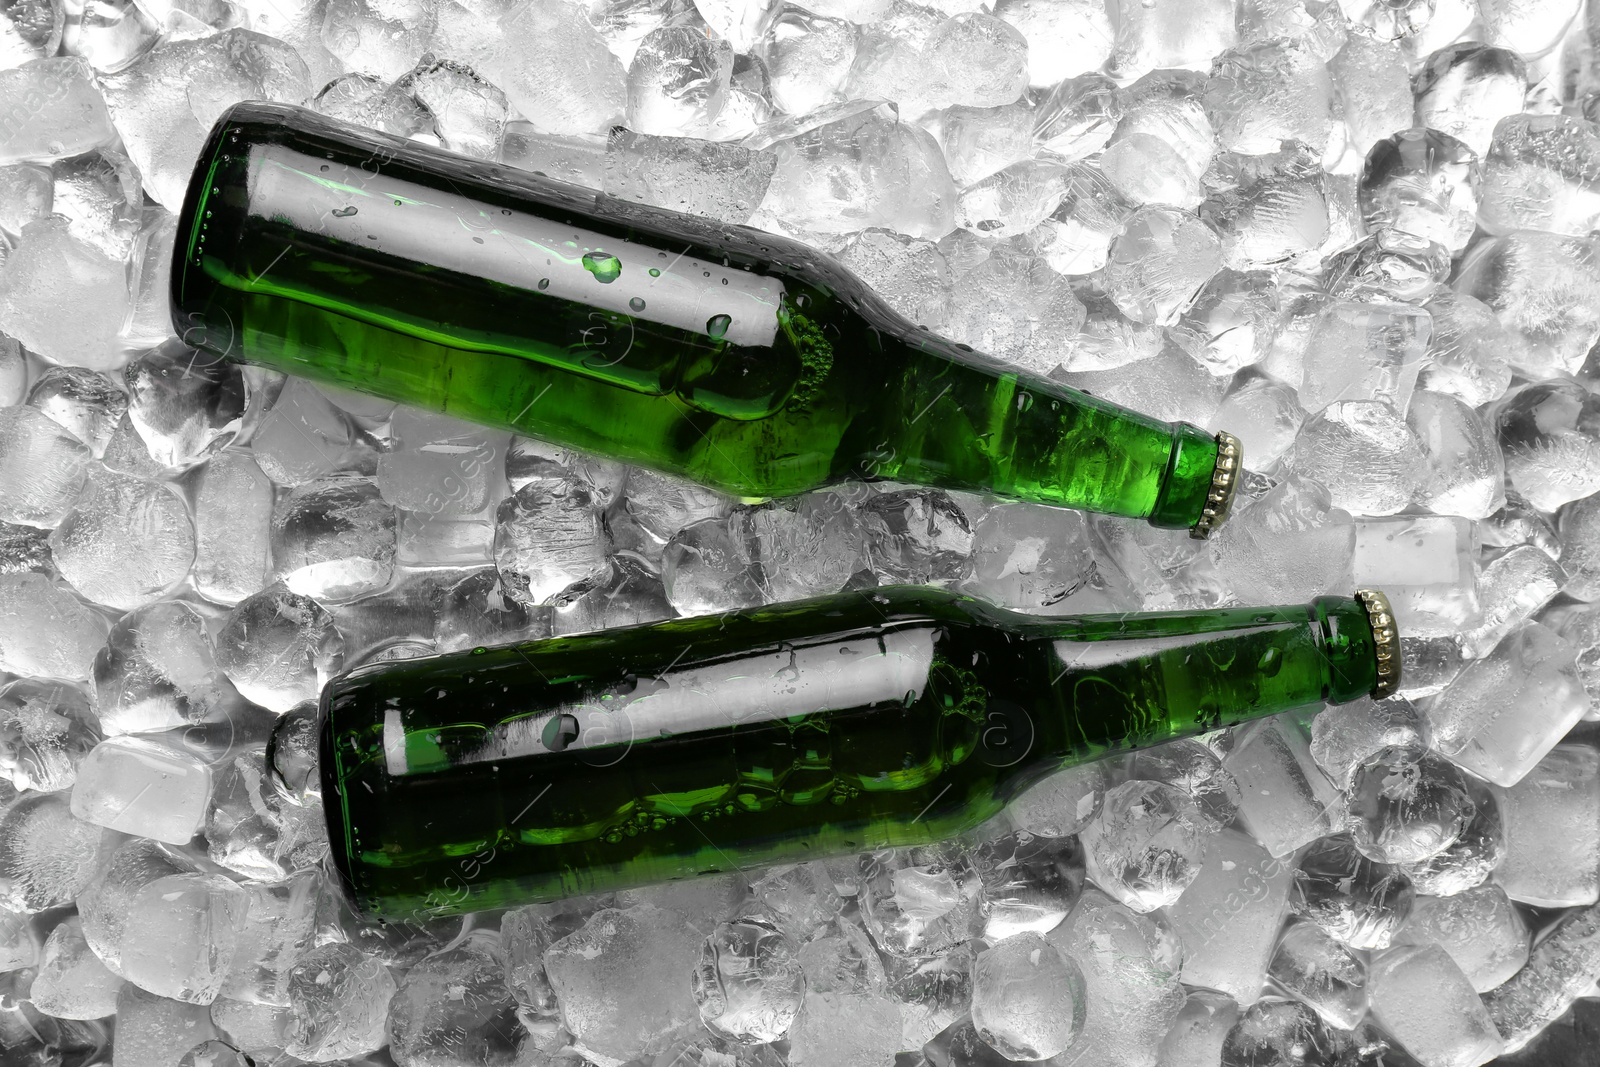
column 1027, row 998
column 1544, row 287
column 30, row 30
column 1364, row 453
column 1480, row 928
column 1284, row 798
column 1270, row 92
column 46, row 728
column 1061, row 804
column 1421, row 998
column 383, row 40
column 1158, row 261
column 45, row 630
column 709, row 566
column 748, row 983
column 1579, row 625
column 154, row 1031
column 469, row 114
column 127, row 541
column 1290, row 545
column 1552, row 448
column 1532, row 675
column 1228, row 918
column 1463, row 456
column 1579, row 526
column 1560, row 969
column 1406, row 805
column 334, row 539
column 278, row 648
column 834, row 1028
column 1030, row 883
column 917, row 536
column 860, row 168
column 56, row 110
column 13, row 367
column 916, row 904
column 1231, row 322
column 302, row 436
column 547, row 538
column 1013, row 200
column 1263, row 412
column 808, row 58
column 1473, row 856
column 533, row 39
column 72, row 983
column 805, row 546
column 1371, row 77
column 1466, row 351
column 1464, row 89
column 910, row 273
column 1418, row 189
column 19, row 940
column 24, row 549
column 678, row 82
column 1064, row 39
column 64, row 299
column 232, row 519
column 339, row 998
column 1076, row 239
column 1030, row 557
column 1131, row 994
column 1145, row 847
column 1283, row 1031
column 1357, row 900
column 157, row 670
column 1273, row 216
column 1042, row 312
column 1529, row 29
column 1344, row 735
column 1365, row 351
column 146, row 786
column 1148, row 169
column 630, row 595
column 972, row 58
column 47, row 855
column 1168, row 35
column 182, row 931
column 1511, row 588
column 1552, row 830
column 1542, row 173
column 623, row 979
column 1078, row 117
column 1195, row 769
column 1321, row 973
column 84, row 402
column 720, row 181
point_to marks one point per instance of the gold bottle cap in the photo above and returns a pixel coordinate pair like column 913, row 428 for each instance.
column 1385, row 639
column 1224, row 483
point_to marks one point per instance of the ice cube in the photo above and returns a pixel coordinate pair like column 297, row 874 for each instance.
column 302, row 436
column 232, row 519
column 843, row 959
column 1290, row 545
column 1030, row 557
column 127, row 541
column 1473, row 857
column 720, row 181
column 1480, row 928
column 860, row 168
column 1419, row 189
column 1064, row 39
column 1030, row 883
column 1042, row 314
column 55, row 110
column 1358, row 901
column 1167, row 35
column 1195, row 769
column 46, row 729
column 1531, row 673
column 1078, row 117
column 748, row 983
column 1231, row 322
column 334, row 539
column 1344, row 735
column 45, row 630
column 13, row 368
column 1027, row 998
column 64, row 299
column 84, row 402
column 1511, row 588
column 800, row 900
column 1541, row 174
column 278, row 648
column 917, row 536
column 1466, row 350
column 1145, row 847
column 678, row 82
column 1579, row 527
column 1158, row 261
column 157, row 670
column 917, row 904
column 1544, row 287
column 155, row 1031
column 30, row 30
column 1076, row 239
column 910, row 273
column 1061, row 804
column 1270, row 92
column 806, row 546
column 1282, row 1032
column 144, row 785
column 1321, row 973
column 24, row 549
column 1263, row 412
column 1552, row 830
column 623, row 980
column 1560, row 969
column 1147, row 169
column 72, row 983
column 1529, row 29
column 150, row 317
column 535, row 38
column 1285, row 799
column 1421, row 998
column 1465, row 88
column 1364, row 453
column 1275, row 215
column 1406, row 805
column 1371, row 78
column 1365, row 351
column 1196, row 1037
column 339, row 999
column 1228, row 918
column 251, row 1028
column 1463, row 456
column 547, row 537
column 1130, row 993
column 47, row 855
column 808, row 58
column 629, row 595
column 1551, row 445
column 469, row 114
column 837, row 1027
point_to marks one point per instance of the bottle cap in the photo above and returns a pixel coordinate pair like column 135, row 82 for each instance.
column 1385, row 640
column 1224, row 482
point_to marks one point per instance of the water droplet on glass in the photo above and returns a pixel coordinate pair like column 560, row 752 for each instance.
column 655, row 273
column 324, row 168
column 717, row 326
column 603, row 265
column 344, row 212
column 544, row 283
column 637, row 303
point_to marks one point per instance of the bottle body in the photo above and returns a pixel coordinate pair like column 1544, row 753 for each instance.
column 740, row 359
column 886, row 718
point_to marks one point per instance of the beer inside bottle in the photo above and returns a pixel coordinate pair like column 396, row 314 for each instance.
column 737, row 358
column 892, row 717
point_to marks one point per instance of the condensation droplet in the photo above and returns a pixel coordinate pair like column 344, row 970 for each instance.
column 637, row 303
column 717, row 326
column 604, row 266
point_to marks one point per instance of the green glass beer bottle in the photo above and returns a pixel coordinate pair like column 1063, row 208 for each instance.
column 890, row 717
column 740, row 359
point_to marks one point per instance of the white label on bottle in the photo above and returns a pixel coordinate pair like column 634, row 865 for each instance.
column 451, row 230
column 786, row 684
